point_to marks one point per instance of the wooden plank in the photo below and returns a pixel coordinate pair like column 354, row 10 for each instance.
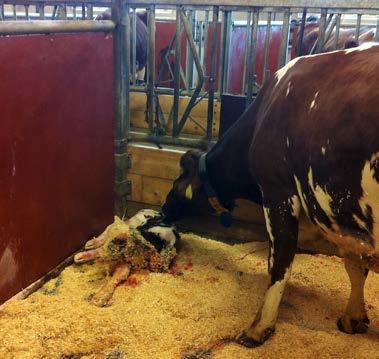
column 155, row 190
column 136, row 180
column 194, row 125
column 154, row 162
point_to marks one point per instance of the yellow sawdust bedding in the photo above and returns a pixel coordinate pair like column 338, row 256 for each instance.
column 173, row 315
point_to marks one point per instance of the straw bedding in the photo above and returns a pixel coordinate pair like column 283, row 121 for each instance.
column 210, row 294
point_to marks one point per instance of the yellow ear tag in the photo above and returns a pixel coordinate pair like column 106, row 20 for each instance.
column 189, row 192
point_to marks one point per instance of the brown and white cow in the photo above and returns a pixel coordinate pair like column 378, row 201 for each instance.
column 346, row 38
column 310, row 140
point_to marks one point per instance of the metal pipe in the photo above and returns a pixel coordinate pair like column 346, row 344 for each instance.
column 41, row 9
column 358, row 27
column 56, row 26
column 225, row 48
column 90, row 11
column 299, row 51
column 2, row 16
column 83, row 12
column 283, row 53
column 134, row 46
column 175, row 107
column 192, row 46
column 170, row 91
column 74, row 12
column 247, row 50
column 205, row 35
column 151, row 67
column 321, row 31
column 212, row 74
column 266, row 70
column 377, row 31
column 252, row 56
column 337, row 34
column 189, row 59
column 26, row 12
column 14, row 12
column 125, row 46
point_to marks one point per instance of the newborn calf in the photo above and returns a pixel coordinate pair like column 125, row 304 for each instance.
column 142, row 242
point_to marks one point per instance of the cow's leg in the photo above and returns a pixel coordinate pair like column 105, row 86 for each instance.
column 355, row 318
column 102, row 297
column 282, row 225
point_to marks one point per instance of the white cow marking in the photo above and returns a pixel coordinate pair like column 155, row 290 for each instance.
column 301, row 195
column 294, row 202
column 323, row 150
column 282, row 72
column 288, row 142
column 288, row 88
column 313, row 103
column 266, row 212
column 370, row 189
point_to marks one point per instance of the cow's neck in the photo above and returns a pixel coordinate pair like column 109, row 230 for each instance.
column 228, row 163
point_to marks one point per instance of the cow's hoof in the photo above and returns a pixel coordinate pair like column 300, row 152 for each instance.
column 353, row 326
column 250, row 342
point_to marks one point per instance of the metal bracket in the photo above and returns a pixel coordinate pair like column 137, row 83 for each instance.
column 123, row 161
column 123, row 188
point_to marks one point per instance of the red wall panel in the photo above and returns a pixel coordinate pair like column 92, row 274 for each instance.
column 56, row 150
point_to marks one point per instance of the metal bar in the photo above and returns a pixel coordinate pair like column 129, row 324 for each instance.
column 170, row 91
column 225, row 47
column 121, row 37
column 321, row 32
column 2, row 16
column 266, row 71
column 14, row 12
column 56, row 26
column 191, row 103
column 26, row 12
column 330, row 30
column 377, row 31
column 283, row 54
column 252, row 54
column 134, row 46
column 168, row 140
column 247, row 50
column 83, row 12
column 74, row 12
column 299, row 51
column 189, row 59
column 90, row 11
column 41, row 10
column 337, row 34
column 175, row 106
column 358, row 27
column 151, row 66
column 205, row 35
column 315, row 4
column 212, row 74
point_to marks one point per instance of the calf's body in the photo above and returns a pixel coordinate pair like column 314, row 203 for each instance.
column 311, row 141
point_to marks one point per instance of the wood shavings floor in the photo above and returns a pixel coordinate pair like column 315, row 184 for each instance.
column 211, row 294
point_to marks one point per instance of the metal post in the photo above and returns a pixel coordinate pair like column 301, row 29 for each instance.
column 41, row 9
column 90, row 12
column 26, row 12
column 189, row 58
column 205, row 35
column 83, row 12
column 358, row 28
column 14, row 12
column 247, row 50
column 377, row 31
column 121, row 38
column 212, row 73
column 175, row 108
column 337, row 34
column 134, row 46
column 321, row 31
column 299, row 51
column 283, row 54
column 266, row 70
column 2, row 16
column 151, row 67
column 252, row 54
column 225, row 49
column 74, row 12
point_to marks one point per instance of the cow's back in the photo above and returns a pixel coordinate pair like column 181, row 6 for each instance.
column 318, row 130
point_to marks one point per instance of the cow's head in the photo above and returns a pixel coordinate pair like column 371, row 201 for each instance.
column 187, row 196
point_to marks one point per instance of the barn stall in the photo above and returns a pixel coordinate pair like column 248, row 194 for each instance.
column 98, row 146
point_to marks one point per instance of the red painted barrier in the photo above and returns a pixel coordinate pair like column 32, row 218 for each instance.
column 56, row 151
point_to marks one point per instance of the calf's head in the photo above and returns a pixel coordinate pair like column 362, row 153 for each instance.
column 187, row 196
